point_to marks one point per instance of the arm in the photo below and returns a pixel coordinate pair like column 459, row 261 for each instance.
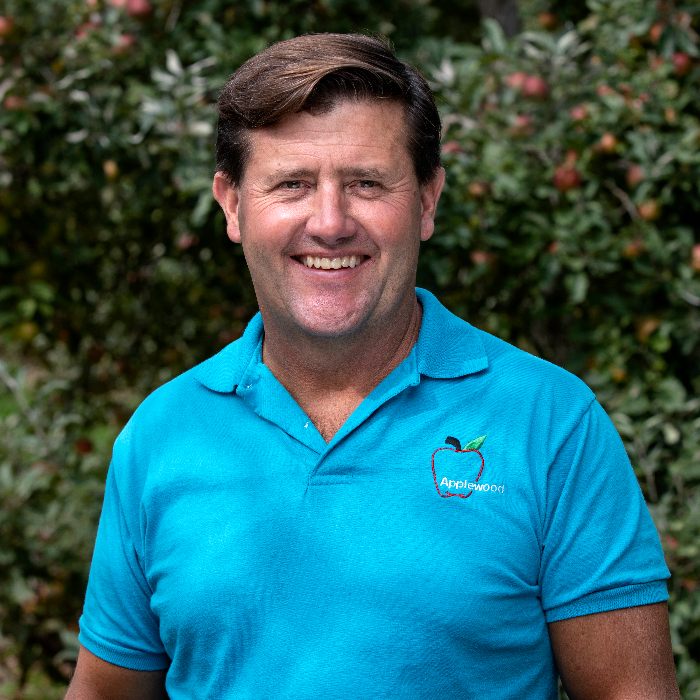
column 95, row 679
column 618, row 655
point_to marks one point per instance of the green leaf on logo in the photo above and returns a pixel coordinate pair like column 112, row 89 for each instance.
column 475, row 444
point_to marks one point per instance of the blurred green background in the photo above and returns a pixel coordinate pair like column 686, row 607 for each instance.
column 569, row 227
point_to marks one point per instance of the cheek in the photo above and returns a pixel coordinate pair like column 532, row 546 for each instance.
column 394, row 224
column 268, row 228
column 402, row 235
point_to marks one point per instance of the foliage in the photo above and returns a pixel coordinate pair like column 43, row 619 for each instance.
column 568, row 227
column 50, row 482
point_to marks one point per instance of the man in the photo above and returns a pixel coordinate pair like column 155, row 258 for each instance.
column 364, row 495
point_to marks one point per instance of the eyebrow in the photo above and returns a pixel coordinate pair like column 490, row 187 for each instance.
column 364, row 173
column 300, row 173
column 293, row 174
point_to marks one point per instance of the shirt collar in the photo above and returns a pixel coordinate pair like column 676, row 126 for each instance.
column 224, row 371
column 447, row 347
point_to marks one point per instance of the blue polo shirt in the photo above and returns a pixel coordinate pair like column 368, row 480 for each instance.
column 475, row 495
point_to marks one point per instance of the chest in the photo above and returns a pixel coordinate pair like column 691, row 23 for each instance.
column 263, row 543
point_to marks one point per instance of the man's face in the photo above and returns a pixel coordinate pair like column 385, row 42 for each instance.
column 330, row 216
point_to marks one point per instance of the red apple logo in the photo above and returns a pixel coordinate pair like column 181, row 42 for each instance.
column 462, row 466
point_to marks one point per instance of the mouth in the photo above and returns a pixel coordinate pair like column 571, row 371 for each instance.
column 318, row 262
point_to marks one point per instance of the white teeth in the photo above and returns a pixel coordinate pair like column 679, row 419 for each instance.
column 331, row 263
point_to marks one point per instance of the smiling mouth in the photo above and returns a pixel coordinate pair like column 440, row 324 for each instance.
column 323, row 263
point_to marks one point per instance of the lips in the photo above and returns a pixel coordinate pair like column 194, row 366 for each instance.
column 319, row 262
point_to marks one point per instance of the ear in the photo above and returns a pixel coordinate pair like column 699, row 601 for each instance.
column 429, row 197
column 227, row 195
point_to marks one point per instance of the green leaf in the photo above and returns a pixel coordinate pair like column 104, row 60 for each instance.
column 475, row 444
column 494, row 38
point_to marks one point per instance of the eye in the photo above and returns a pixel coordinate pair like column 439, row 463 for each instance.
column 291, row 185
column 367, row 184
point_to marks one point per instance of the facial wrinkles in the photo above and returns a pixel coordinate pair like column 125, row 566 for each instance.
column 296, row 206
column 337, row 190
column 323, row 149
column 330, row 164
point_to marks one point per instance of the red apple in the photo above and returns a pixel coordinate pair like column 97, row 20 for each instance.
column 604, row 91
column 138, row 8
column 695, row 257
column 522, row 125
column 110, row 169
column 671, row 542
column 682, row 63
column 655, row 32
column 646, row 326
column 452, row 147
column 634, row 175
column 186, row 240
column 84, row 29
column 458, row 475
column 634, row 248
column 683, row 19
column 579, row 112
column 13, row 103
column 478, row 189
column 608, row 143
column 649, row 210
column 481, row 257
column 618, row 374
column 7, row 26
column 535, row 87
column 83, row 446
column 547, row 20
column 516, row 80
column 124, row 44
column 566, row 177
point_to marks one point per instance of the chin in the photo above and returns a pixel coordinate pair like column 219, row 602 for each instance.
column 329, row 326
column 329, row 329
column 330, row 320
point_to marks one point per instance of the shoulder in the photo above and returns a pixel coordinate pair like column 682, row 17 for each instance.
column 171, row 410
column 449, row 347
column 523, row 372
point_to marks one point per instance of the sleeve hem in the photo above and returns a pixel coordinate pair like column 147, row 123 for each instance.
column 614, row 599
column 132, row 659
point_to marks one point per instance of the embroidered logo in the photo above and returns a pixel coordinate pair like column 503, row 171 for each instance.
column 457, row 470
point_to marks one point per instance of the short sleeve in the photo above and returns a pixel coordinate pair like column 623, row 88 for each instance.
column 117, row 623
column 601, row 550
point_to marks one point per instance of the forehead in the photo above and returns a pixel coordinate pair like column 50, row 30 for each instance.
column 368, row 131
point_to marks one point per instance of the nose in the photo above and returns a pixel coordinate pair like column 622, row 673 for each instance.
column 330, row 221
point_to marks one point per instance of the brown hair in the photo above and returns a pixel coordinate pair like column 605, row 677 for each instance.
column 311, row 73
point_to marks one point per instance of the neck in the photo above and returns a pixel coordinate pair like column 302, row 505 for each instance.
column 329, row 377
